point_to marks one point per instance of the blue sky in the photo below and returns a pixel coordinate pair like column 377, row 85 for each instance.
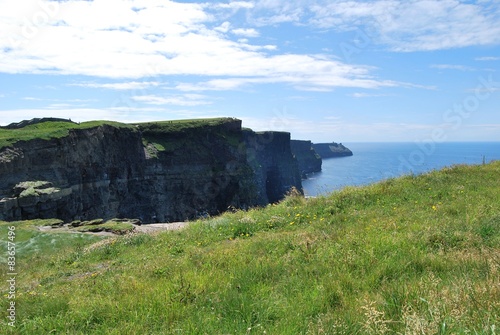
column 338, row 70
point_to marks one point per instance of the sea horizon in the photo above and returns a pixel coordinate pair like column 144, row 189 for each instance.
column 376, row 161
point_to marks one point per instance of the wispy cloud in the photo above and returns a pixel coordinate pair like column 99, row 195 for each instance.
column 487, row 58
column 131, row 85
column 179, row 100
column 452, row 67
column 402, row 25
column 233, row 5
column 335, row 129
column 65, row 101
column 367, row 95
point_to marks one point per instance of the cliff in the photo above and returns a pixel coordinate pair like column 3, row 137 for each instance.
column 156, row 172
column 274, row 168
column 308, row 160
column 329, row 150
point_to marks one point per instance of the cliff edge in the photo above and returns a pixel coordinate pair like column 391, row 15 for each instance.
column 156, row 172
column 308, row 160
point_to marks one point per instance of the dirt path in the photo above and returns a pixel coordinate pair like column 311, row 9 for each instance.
column 145, row 228
column 154, row 227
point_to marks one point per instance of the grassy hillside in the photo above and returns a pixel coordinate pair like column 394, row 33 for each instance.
column 414, row 255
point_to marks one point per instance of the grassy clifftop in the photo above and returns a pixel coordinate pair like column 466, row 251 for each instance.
column 413, row 255
column 48, row 130
column 55, row 129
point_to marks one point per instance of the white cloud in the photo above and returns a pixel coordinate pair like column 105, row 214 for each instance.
column 224, row 27
column 272, row 12
column 367, row 95
column 152, row 38
column 403, row 25
column 179, row 100
column 59, row 100
column 212, row 85
column 131, row 85
column 60, row 105
column 452, row 67
column 235, row 5
column 246, row 32
column 487, row 58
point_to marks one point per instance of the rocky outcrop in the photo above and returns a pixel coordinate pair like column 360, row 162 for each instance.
column 309, row 161
column 155, row 172
column 329, row 150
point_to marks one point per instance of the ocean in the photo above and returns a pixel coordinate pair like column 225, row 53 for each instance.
column 373, row 162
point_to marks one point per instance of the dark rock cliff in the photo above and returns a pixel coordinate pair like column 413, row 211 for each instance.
column 309, row 161
column 329, row 150
column 275, row 169
column 156, row 172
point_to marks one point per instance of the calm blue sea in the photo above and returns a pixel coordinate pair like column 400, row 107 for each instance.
column 373, row 162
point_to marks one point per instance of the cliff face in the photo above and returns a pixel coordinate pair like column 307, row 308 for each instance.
column 309, row 161
column 329, row 150
column 155, row 172
column 275, row 169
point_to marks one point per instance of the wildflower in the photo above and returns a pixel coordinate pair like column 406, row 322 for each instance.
column 434, row 207
column 291, row 223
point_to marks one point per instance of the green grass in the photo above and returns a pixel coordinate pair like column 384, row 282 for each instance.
column 48, row 130
column 31, row 243
column 413, row 255
column 120, row 228
column 159, row 127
